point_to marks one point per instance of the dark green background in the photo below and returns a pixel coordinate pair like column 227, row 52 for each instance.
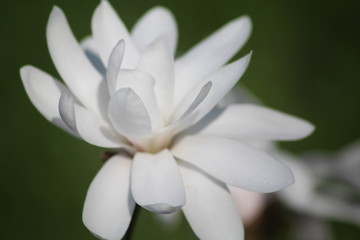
column 305, row 62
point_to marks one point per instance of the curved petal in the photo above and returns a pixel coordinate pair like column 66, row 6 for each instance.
column 152, row 24
column 73, row 65
column 251, row 122
column 143, row 85
column 157, row 61
column 109, row 204
column 222, row 81
column 96, row 131
column 128, row 114
column 67, row 110
column 210, row 209
column 108, row 30
column 114, row 65
column 156, row 183
column 44, row 92
column 210, row 54
column 234, row 163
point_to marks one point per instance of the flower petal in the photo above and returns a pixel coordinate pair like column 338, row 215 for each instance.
column 114, row 65
column 152, row 24
column 88, row 45
column 251, row 122
column 156, row 183
column 108, row 30
column 234, row 163
column 96, row 131
column 157, row 61
column 67, row 110
column 209, row 208
column 210, row 54
column 222, row 81
column 44, row 92
column 143, row 85
column 109, row 204
column 128, row 114
column 73, row 65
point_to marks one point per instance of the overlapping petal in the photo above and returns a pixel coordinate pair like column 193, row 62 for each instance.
column 234, row 163
column 108, row 29
column 154, row 23
column 251, row 122
column 109, row 204
column 156, row 182
column 73, row 65
column 209, row 207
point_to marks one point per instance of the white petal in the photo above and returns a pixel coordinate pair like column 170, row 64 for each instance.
column 44, row 92
column 96, row 131
column 234, row 163
column 154, row 23
column 209, row 207
column 251, row 122
column 222, row 81
column 143, row 85
column 210, row 54
column 114, row 65
column 108, row 30
column 73, row 65
column 128, row 114
column 109, row 204
column 156, row 183
column 67, row 111
column 157, row 61
column 88, row 45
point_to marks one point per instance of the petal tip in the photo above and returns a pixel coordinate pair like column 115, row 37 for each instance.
column 162, row 208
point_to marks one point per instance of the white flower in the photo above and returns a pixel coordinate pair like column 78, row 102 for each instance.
column 163, row 114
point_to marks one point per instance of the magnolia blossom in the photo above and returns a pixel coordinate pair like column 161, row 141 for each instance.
column 124, row 90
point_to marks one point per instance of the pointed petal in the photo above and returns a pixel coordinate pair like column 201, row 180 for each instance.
column 108, row 30
column 72, row 64
column 210, row 54
column 234, row 163
column 251, row 122
column 210, row 209
column 157, row 61
column 114, row 65
column 143, row 85
column 222, row 81
column 109, row 204
column 67, row 110
column 156, row 183
column 96, row 131
column 128, row 114
column 44, row 92
column 152, row 24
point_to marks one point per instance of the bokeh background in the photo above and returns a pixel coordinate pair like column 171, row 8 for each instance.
column 306, row 62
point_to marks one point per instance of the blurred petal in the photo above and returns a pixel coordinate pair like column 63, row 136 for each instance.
column 143, row 85
column 109, row 204
column 73, row 65
column 152, row 24
column 114, row 65
column 157, row 61
column 210, row 54
column 44, row 92
column 210, row 209
column 128, row 114
column 108, row 30
column 96, row 131
column 156, row 183
column 222, row 81
column 234, row 163
column 67, row 110
column 251, row 122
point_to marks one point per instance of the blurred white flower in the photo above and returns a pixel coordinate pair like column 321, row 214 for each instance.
column 125, row 91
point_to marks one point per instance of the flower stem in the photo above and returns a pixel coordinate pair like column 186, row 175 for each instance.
column 131, row 228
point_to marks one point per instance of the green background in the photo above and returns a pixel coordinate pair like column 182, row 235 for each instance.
column 305, row 62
